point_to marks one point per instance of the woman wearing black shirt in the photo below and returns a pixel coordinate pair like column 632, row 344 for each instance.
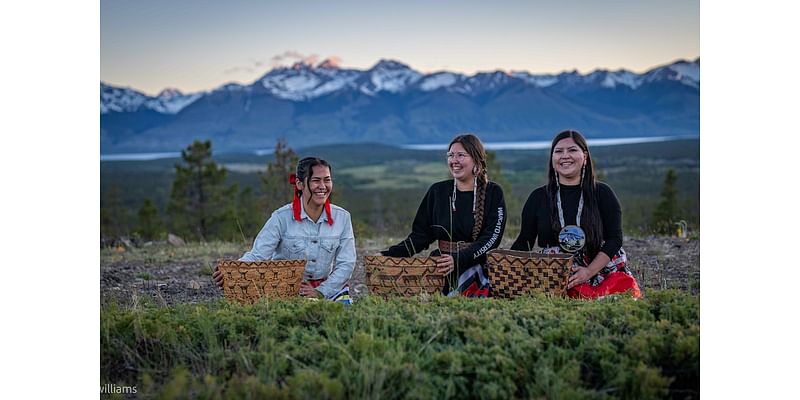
column 467, row 215
column 575, row 213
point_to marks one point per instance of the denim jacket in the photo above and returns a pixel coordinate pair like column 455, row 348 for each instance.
column 329, row 250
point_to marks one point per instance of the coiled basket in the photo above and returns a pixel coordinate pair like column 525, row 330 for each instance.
column 515, row 273
column 248, row 281
column 402, row 276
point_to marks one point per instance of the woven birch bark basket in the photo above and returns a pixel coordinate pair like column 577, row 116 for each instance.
column 402, row 276
column 247, row 282
column 516, row 273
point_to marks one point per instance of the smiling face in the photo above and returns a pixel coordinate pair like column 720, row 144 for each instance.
column 320, row 186
column 460, row 163
column 567, row 159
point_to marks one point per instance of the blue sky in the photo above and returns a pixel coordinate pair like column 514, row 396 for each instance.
column 199, row 45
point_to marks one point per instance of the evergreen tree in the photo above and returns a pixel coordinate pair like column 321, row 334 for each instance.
column 666, row 213
column 149, row 225
column 113, row 216
column 277, row 190
column 495, row 171
column 200, row 206
column 248, row 217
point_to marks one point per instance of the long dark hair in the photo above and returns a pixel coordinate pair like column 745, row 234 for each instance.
column 305, row 171
column 472, row 144
column 591, row 223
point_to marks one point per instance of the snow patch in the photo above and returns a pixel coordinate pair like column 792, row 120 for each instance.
column 393, row 81
column 622, row 77
column 172, row 104
column 536, row 80
column 438, row 80
column 169, row 101
column 690, row 71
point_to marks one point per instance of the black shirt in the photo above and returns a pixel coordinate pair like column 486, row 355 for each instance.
column 536, row 218
column 435, row 221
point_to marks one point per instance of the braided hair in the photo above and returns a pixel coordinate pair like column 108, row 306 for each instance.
column 476, row 151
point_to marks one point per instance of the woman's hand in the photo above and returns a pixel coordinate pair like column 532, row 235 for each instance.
column 444, row 264
column 579, row 275
column 217, row 276
column 306, row 290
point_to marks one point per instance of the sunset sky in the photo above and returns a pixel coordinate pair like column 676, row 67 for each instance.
column 199, row 45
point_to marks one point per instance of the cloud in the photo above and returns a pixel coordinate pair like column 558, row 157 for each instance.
column 234, row 70
column 290, row 57
column 291, row 54
column 285, row 59
column 334, row 61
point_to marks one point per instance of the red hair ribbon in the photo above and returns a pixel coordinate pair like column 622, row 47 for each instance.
column 328, row 210
column 296, row 198
column 296, row 206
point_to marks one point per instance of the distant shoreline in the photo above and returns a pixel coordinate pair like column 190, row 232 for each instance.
column 518, row 145
column 544, row 144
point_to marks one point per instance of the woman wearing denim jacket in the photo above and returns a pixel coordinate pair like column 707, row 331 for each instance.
column 311, row 229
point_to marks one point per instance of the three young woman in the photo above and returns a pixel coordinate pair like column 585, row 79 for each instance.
column 466, row 216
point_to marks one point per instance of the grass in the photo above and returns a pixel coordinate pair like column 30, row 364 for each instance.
column 400, row 174
column 199, row 252
column 432, row 347
column 145, row 276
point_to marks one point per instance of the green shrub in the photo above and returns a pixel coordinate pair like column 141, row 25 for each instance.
column 535, row 347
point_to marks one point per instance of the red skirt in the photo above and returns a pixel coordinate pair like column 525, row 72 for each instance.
column 615, row 282
column 615, row 277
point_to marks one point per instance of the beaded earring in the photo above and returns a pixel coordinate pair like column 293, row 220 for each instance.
column 453, row 199
column 583, row 171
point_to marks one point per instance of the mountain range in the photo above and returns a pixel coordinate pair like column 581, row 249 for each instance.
column 392, row 103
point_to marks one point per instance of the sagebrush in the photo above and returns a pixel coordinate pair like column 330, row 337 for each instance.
column 430, row 347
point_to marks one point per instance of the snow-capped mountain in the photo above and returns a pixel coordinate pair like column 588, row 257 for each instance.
column 484, row 82
column 536, row 80
column 685, row 72
column 231, row 87
column 169, row 101
column 389, row 76
column 302, row 82
column 120, row 99
column 305, row 82
column 610, row 79
column 324, row 103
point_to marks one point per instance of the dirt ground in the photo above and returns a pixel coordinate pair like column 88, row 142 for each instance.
column 170, row 275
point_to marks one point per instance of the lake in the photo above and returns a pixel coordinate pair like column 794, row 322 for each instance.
column 530, row 145
column 545, row 144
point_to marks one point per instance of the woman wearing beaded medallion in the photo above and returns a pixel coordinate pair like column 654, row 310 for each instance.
column 466, row 215
column 313, row 229
column 574, row 213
